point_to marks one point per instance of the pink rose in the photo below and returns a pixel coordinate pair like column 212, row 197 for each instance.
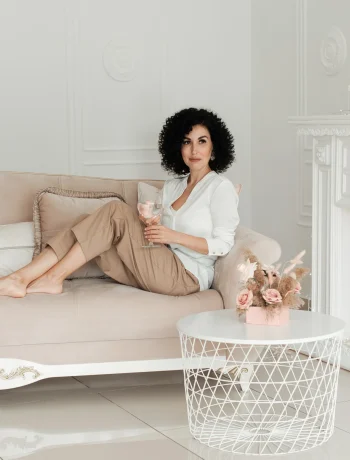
column 244, row 299
column 272, row 296
column 297, row 288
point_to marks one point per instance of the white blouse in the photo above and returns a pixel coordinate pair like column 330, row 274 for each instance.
column 210, row 212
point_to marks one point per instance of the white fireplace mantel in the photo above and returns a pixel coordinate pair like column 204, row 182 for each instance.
column 330, row 212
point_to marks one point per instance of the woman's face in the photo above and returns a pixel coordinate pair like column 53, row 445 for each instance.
column 197, row 148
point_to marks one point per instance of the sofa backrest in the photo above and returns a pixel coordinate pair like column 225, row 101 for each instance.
column 18, row 189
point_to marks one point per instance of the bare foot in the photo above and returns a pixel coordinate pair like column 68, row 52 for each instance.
column 12, row 286
column 46, row 285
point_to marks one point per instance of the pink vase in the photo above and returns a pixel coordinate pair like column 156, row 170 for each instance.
column 259, row 315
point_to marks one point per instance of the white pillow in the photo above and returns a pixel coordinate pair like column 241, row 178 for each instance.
column 16, row 246
column 147, row 192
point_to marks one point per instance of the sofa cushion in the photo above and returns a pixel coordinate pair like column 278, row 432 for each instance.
column 16, row 246
column 96, row 309
column 56, row 209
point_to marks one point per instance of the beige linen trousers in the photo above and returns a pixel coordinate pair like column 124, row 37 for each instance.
column 114, row 235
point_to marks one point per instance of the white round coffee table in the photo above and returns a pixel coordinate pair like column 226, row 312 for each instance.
column 293, row 377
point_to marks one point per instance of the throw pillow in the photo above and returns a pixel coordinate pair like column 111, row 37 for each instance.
column 16, row 246
column 57, row 209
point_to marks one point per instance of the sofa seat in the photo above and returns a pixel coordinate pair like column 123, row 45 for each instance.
column 97, row 310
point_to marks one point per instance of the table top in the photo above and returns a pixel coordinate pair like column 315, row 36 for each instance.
column 226, row 326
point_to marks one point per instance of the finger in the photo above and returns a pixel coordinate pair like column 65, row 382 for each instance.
column 154, row 238
column 157, row 240
column 155, row 227
column 149, row 231
column 151, row 235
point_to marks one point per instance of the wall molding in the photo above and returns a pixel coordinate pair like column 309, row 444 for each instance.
column 119, row 60
column 304, row 205
column 135, row 148
column 326, row 131
column 301, row 36
column 121, row 162
column 72, row 32
column 304, row 209
column 114, row 73
column 321, row 252
column 333, row 51
column 78, row 147
column 342, row 179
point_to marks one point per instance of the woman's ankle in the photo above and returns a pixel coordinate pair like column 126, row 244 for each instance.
column 54, row 276
column 18, row 278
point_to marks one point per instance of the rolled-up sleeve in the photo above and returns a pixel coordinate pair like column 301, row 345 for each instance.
column 225, row 219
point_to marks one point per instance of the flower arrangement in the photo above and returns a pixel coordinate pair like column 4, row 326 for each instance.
column 269, row 287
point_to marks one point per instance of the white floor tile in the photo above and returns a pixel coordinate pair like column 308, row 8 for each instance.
column 344, row 386
column 131, row 380
column 147, row 447
column 42, row 391
column 161, row 406
column 164, row 407
column 78, row 426
column 342, row 416
column 337, row 448
column 57, row 383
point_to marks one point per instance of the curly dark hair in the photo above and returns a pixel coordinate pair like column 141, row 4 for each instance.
column 179, row 125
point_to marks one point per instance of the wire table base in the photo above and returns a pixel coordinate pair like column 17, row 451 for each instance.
column 290, row 406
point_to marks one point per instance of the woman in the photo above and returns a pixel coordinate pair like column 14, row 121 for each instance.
column 198, row 224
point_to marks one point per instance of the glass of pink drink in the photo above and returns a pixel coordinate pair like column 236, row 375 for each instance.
column 149, row 209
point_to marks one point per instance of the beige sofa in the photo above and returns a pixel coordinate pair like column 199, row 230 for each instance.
column 97, row 326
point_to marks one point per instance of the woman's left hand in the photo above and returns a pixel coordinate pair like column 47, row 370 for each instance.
column 160, row 234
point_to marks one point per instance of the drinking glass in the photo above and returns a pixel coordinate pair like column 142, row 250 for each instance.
column 150, row 205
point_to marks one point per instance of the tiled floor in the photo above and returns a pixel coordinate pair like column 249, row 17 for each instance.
column 136, row 416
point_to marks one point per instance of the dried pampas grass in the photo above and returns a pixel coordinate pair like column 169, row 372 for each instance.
column 287, row 284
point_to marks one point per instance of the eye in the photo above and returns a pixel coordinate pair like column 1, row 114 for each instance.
column 185, row 142
column 202, row 141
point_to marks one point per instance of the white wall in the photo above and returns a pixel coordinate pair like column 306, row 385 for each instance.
column 33, row 103
column 288, row 78
column 62, row 111
column 274, row 98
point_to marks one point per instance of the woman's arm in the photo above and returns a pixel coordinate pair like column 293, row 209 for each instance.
column 225, row 218
column 196, row 243
column 165, row 235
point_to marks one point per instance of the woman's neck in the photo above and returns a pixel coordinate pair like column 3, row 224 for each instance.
column 196, row 176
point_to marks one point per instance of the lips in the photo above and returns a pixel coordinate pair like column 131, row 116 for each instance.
column 195, row 159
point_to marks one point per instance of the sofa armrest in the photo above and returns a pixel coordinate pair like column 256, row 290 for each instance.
column 226, row 277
